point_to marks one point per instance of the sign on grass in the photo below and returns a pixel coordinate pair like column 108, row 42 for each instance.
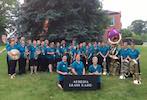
column 84, row 82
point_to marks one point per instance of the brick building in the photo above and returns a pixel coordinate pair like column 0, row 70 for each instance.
column 115, row 21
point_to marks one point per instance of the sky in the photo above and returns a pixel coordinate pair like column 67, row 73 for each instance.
column 130, row 9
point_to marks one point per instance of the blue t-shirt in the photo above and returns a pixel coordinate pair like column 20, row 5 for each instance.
column 78, row 67
column 50, row 56
column 73, row 51
column 104, row 50
column 98, row 69
column 58, row 52
column 33, row 50
column 64, row 50
column 63, row 67
column 9, row 48
column 96, row 49
column 22, row 50
column 124, row 52
column 43, row 50
column 133, row 54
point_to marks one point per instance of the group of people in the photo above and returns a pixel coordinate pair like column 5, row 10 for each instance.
column 96, row 58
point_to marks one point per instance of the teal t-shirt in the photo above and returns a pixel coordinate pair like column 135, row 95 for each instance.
column 22, row 50
column 98, row 69
column 124, row 52
column 78, row 66
column 50, row 56
column 104, row 50
column 63, row 67
column 133, row 54
column 9, row 48
column 33, row 50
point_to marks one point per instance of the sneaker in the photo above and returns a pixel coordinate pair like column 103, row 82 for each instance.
column 135, row 82
column 12, row 77
column 60, row 86
column 139, row 82
column 104, row 73
column 121, row 77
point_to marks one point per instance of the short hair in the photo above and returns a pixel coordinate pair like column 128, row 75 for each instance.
column 94, row 58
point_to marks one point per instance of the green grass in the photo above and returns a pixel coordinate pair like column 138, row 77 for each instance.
column 43, row 86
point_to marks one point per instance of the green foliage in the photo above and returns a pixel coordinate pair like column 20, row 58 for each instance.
column 126, row 33
column 6, row 8
column 65, row 16
column 138, row 26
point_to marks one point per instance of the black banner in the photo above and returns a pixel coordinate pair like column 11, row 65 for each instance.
column 84, row 82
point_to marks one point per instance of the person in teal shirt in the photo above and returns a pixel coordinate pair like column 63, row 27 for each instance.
column 134, row 56
column 78, row 66
column 124, row 53
column 23, row 56
column 103, row 57
column 62, row 70
column 33, row 56
column 43, row 59
column 50, row 53
column 11, row 63
column 58, row 54
column 96, row 69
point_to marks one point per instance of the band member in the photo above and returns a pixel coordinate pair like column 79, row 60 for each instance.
column 72, row 52
column 134, row 56
column 50, row 53
column 62, row 70
column 11, row 62
column 90, row 52
column 65, row 51
column 78, row 66
column 114, row 60
column 96, row 69
column 96, row 49
column 34, row 52
column 58, row 55
column 23, row 56
column 29, row 44
column 103, row 52
column 83, row 54
column 43, row 59
column 124, row 53
column 39, row 56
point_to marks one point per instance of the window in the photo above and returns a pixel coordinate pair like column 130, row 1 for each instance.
column 112, row 21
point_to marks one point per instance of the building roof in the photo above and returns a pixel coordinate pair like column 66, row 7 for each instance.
column 111, row 12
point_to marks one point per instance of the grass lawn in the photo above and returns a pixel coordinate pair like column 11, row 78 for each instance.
column 43, row 86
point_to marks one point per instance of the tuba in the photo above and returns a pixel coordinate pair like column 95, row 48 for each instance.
column 114, row 37
column 14, row 54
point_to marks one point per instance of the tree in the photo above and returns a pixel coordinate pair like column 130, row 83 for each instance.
column 126, row 33
column 6, row 14
column 63, row 17
column 139, row 27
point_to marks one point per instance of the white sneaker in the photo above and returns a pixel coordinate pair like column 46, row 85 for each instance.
column 135, row 82
column 139, row 82
column 60, row 86
column 104, row 73
column 11, row 77
column 121, row 77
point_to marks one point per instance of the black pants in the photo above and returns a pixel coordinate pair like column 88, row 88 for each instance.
column 8, row 65
column 43, row 65
column 61, row 83
column 22, row 65
column 12, row 65
column 98, row 85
